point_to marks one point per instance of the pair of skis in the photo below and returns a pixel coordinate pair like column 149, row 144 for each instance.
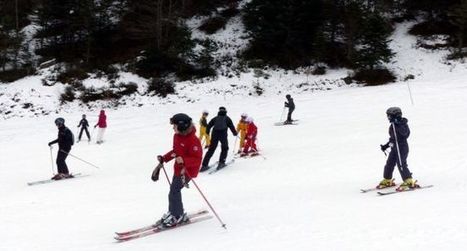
column 386, row 191
column 158, row 227
column 39, row 182
column 294, row 122
column 213, row 169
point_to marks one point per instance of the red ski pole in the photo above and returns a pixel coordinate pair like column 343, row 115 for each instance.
column 207, row 202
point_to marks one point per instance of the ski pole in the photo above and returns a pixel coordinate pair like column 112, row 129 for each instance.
column 397, row 146
column 282, row 114
column 233, row 150
column 80, row 159
column 410, row 93
column 52, row 160
column 92, row 132
column 207, row 202
column 166, row 176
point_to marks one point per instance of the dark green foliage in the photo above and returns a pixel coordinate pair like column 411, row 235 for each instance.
column 14, row 74
column 282, row 31
column 213, row 24
column 374, row 49
column 229, row 12
column 149, row 37
column 160, row 87
column 127, row 89
column 68, row 95
column 112, row 93
column 374, row 76
column 429, row 28
column 71, row 75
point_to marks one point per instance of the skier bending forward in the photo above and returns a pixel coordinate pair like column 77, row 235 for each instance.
column 188, row 153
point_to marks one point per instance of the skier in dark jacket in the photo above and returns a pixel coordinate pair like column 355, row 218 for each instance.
column 65, row 140
column 83, row 123
column 291, row 105
column 219, row 125
column 398, row 133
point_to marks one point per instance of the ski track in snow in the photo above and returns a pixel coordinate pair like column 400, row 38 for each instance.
column 303, row 196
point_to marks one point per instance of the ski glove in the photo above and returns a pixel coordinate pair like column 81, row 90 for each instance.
column 384, row 147
column 155, row 173
column 160, row 159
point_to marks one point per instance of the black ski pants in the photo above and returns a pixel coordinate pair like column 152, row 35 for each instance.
column 289, row 115
column 175, row 196
column 393, row 160
column 61, row 165
column 216, row 137
column 84, row 128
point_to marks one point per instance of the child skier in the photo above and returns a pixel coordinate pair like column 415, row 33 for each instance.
column 250, row 144
column 188, row 154
column 242, row 126
column 84, row 127
column 398, row 133
column 291, row 105
column 203, row 123
column 102, row 123
column 65, row 140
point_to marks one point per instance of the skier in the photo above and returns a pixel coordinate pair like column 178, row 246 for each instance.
column 65, row 140
column 187, row 152
column 219, row 125
column 203, row 123
column 250, row 144
column 242, row 126
column 291, row 105
column 102, row 123
column 84, row 127
column 398, row 133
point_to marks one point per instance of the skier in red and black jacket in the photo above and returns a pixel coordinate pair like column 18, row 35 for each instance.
column 188, row 153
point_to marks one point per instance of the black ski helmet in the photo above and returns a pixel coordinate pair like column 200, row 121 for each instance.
column 394, row 112
column 181, row 120
column 288, row 96
column 59, row 121
column 222, row 111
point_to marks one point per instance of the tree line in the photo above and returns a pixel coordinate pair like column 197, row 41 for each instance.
column 150, row 37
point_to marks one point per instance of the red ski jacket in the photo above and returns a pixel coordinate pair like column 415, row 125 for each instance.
column 189, row 148
column 102, row 123
column 251, row 131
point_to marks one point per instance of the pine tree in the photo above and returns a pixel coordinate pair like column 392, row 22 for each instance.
column 374, row 43
column 458, row 16
column 283, row 32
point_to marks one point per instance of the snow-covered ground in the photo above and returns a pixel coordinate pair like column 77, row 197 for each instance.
column 304, row 195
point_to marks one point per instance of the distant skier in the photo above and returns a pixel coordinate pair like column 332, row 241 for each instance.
column 291, row 105
column 102, row 123
column 203, row 123
column 219, row 125
column 250, row 142
column 65, row 140
column 83, row 123
column 188, row 153
column 242, row 126
column 398, row 133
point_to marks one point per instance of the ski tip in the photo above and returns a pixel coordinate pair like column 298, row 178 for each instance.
column 224, row 226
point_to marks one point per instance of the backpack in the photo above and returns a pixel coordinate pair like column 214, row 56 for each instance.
column 72, row 136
